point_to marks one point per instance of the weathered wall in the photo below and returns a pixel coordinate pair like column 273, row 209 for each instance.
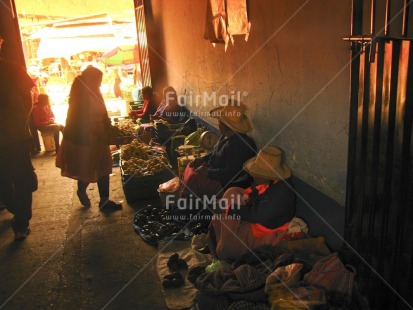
column 294, row 71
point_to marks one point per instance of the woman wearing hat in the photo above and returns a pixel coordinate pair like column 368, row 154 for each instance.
column 222, row 168
column 258, row 215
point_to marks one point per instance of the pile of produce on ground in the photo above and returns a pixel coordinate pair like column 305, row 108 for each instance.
column 155, row 225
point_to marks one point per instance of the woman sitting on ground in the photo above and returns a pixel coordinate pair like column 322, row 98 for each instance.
column 259, row 215
column 44, row 119
column 208, row 176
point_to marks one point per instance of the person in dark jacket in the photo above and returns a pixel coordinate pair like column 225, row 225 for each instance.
column 17, row 177
column 84, row 154
column 210, row 175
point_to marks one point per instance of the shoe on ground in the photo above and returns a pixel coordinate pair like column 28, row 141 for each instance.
column 83, row 198
column 22, row 235
column 109, row 204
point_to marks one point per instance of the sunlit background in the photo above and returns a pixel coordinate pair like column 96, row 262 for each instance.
column 61, row 38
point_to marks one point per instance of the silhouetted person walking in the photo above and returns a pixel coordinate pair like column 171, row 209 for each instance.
column 17, row 177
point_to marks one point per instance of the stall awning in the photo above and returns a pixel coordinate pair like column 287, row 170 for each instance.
column 66, row 47
column 65, row 39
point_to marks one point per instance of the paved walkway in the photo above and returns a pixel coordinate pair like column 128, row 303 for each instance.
column 76, row 258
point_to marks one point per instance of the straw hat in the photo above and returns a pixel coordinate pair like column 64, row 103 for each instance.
column 267, row 164
column 233, row 115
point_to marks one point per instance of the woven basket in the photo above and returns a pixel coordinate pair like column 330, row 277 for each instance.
column 143, row 187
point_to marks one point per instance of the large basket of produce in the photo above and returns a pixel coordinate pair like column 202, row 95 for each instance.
column 143, row 168
column 122, row 133
column 143, row 187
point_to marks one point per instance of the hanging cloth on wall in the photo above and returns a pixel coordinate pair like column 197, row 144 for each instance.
column 215, row 24
column 224, row 19
column 237, row 19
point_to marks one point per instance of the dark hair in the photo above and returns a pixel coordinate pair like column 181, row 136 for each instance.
column 168, row 89
column 92, row 72
column 147, row 90
column 90, row 77
column 43, row 99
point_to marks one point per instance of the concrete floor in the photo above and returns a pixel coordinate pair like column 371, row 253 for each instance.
column 76, row 258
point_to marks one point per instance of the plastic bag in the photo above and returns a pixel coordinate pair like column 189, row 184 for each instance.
column 215, row 265
column 170, row 186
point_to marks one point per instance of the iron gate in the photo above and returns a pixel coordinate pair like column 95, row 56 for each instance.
column 379, row 204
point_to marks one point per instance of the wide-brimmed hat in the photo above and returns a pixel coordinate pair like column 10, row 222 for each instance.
column 233, row 115
column 267, row 164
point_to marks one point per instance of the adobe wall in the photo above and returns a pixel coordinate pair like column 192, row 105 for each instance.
column 293, row 74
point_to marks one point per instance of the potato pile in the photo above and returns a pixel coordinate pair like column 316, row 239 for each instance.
column 127, row 127
column 122, row 128
column 139, row 159
column 135, row 150
column 142, row 167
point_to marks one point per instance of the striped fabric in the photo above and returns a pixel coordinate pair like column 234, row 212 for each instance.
column 330, row 274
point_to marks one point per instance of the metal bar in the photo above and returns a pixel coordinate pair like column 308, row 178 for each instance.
column 370, row 163
column 387, row 18
column 405, row 24
column 370, row 38
column 356, row 26
column 405, row 120
column 378, row 146
column 382, row 180
column 352, row 141
column 363, row 154
column 372, row 17
column 358, row 38
column 389, row 199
